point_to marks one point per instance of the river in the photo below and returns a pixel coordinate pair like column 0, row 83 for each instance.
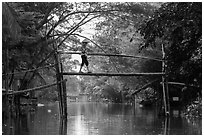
column 91, row 118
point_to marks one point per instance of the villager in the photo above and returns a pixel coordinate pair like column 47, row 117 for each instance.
column 84, row 56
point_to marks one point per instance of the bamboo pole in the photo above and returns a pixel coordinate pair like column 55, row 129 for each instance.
column 167, row 94
column 166, row 125
column 64, row 92
column 12, row 92
column 63, row 127
column 64, row 98
column 59, row 85
column 163, row 81
column 145, row 86
column 105, row 54
column 4, row 90
column 182, row 84
column 114, row 74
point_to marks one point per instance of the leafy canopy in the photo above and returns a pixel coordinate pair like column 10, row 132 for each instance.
column 179, row 27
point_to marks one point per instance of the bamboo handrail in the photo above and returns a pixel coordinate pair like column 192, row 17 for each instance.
column 33, row 89
column 113, row 74
column 181, row 84
column 104, row 54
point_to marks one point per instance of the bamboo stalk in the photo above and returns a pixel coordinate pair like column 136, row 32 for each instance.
column 32, row 89
column 114, row 74
column 59, row 85
column 64, row 92
column 167, row 94
column 4, row 90
column 64, row 98
column 145, row 86
column 163, row 81
column 105, row 54
column 181, row 84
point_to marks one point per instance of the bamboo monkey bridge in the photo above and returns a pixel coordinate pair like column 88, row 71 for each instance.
column 163, row 74
column 61, row 83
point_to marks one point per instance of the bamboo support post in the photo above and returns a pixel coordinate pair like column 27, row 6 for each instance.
column 64, row 98
column 59, row 85
column 165, row 98
column 163, row 81
column 166, row 125
column 63, row 127
column 64, row 92
column 167, row 94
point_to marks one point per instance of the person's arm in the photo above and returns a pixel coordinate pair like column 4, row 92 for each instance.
column 88, row 49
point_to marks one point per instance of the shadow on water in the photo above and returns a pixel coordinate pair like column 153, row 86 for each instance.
column 86, row 118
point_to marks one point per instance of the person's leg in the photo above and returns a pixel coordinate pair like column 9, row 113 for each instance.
column 87, row 64
column 80, row 68
column 88, row 69
column 82, row 63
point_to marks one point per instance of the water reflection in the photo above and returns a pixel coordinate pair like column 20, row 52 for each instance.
column 100, row 119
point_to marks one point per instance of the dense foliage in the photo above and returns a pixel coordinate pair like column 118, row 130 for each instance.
column 24, row 39
column 33, row 31
column 179, row 27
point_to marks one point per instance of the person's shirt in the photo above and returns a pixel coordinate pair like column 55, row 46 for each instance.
column 83, row 50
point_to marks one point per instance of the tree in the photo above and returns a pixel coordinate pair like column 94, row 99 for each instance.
column 179, row 27
column 47, row 27
column 21, row 31
column 32, row 29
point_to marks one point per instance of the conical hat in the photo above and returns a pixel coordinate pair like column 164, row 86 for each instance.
column 85, row 41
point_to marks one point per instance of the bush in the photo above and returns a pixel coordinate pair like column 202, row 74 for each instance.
column 194, row 109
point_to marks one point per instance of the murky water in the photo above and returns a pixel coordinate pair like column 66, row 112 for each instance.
column 86, row 118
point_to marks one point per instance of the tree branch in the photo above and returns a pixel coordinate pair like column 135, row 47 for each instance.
column 45, row 20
